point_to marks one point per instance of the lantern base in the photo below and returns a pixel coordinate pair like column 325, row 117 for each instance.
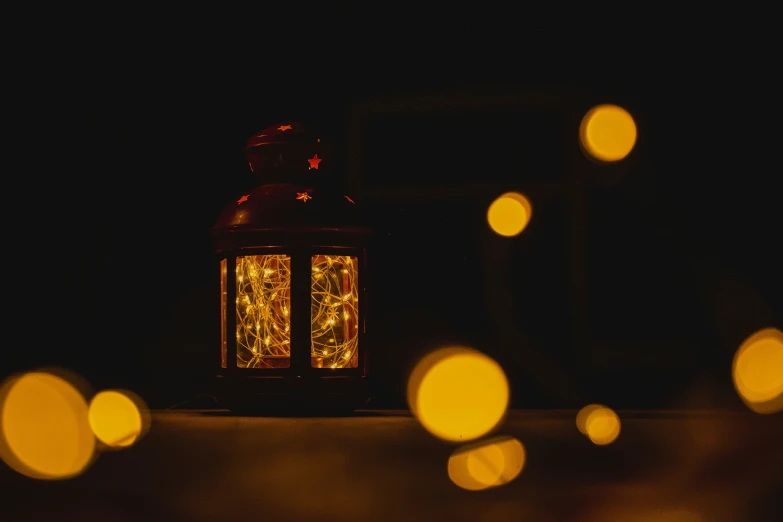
column 260, row 411
column 275, row 396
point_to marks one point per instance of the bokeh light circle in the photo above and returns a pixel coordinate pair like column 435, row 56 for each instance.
column 458, row 393
column 115, row 418
column 757, row 371
column 486, row 464
column 607, row 133
column 584, row 413
column 602, row 426
column 44, row 432
column 509, row 214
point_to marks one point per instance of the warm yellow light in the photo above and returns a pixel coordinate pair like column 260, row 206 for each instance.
column 487, row 464
column 45, row 433
column 264, row 289
column 608, row 133
column 584, row 413
column 334, row 312
column 509, row 214
column 602, row 426
column 116, row 418
column 458, row 394
column 758, row 371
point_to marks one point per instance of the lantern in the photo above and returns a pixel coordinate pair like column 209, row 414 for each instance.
column 293, row 281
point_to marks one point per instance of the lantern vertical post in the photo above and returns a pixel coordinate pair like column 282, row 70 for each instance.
column 300, row 311
column 231, row 313
column 363, row 311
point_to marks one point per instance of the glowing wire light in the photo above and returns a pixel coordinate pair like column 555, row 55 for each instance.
column 263, row 306
column 334, row 312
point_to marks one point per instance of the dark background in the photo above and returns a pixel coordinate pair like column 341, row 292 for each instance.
column 633, row 285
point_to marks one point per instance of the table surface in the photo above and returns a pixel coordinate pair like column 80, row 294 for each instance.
column 678, row 466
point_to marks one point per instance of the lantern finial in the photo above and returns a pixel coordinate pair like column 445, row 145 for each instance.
column 289, row 153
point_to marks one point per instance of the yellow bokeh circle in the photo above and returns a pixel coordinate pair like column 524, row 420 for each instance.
column 44, row 430
column 757, row 371
column 602, row 426
column 116, row 418
column 458, row 394
column 509, row 214
column 582, row 416
column 486, row 464
column 608, row 133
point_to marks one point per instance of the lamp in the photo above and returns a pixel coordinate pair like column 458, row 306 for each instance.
column 293, row 281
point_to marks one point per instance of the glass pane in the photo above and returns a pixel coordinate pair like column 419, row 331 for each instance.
column 223, row 311
column 334, row 312
column 263, row 311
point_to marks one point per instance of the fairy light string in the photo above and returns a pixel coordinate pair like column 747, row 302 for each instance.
column 334, row 312
column 263, row 308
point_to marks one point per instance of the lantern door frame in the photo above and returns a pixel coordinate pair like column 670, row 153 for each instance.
column 301, row 299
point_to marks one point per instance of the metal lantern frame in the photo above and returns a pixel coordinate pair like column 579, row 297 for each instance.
column 301, row 287
column 275, row 219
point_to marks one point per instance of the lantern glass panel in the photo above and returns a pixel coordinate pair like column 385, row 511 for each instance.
column 223, row 311
column 263, row 305
column 334, row 312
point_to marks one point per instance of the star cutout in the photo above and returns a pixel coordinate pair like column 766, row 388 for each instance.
column 284, row 128
column 314, row 161
column 304, row 196
column 242, row 200
column 349, row 199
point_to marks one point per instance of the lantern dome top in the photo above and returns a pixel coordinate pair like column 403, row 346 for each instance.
column 281, row 213
column 290, row 152
column 290, row 205
column 283, row 132
column 296, row 202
